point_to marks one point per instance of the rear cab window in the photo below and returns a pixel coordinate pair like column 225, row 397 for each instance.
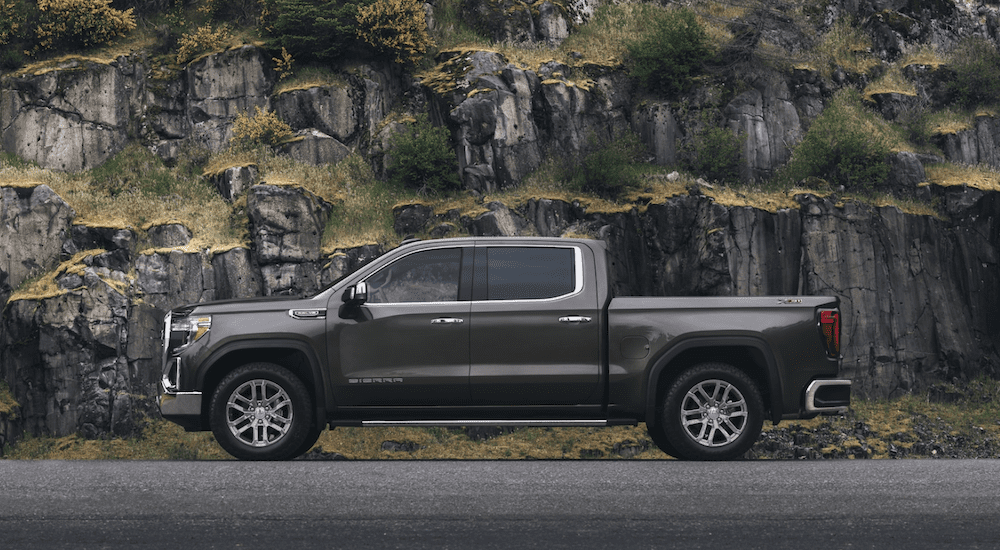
column 527, row 272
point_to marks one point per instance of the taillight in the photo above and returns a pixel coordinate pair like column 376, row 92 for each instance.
column 829, row 328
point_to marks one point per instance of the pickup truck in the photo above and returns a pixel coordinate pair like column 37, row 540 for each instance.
column 499, row 332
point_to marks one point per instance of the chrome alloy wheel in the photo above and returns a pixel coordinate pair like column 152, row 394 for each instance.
column 714, row 413
column 259, row 413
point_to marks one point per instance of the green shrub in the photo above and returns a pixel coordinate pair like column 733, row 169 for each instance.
column 203, row 39
column 396, row 29
column 610, row 168
column 133, row 170
column 312, row 30
column 976, row 63
column 714, row 154
column 423, row 158
column 842, row 147
column 262, row 129
column 673, row 52
column 76, row 24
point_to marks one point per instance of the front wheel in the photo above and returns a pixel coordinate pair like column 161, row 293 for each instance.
column 713, row 411
column 261, row 411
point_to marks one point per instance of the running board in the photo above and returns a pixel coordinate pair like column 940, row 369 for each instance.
column 536, row 423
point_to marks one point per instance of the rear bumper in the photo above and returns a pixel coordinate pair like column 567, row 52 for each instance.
column 828, row 396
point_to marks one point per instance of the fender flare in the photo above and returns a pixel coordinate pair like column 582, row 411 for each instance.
column 771, row 368
column 321, row 387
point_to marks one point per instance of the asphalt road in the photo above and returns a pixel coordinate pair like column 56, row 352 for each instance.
column 507, row 504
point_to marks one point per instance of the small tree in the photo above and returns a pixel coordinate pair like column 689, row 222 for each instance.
column 396, row 29
column 610, row 168
column 841, row 148
column 423, row 159
column 671, row 54
column 203, row 39
column 75, row 24
column 714, row 153
column 312, row 30
column 977, row 72
column 262, row 129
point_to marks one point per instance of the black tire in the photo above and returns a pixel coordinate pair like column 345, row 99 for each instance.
column 261, row 411
column 659, row 438
column 311, row 438
column 713, row 411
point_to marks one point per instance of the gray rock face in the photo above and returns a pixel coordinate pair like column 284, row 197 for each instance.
column 221, row 86
column 234, row 181
column 34, row 222
column 70, row 119
column 77, row 116
column 169, row 235
column 169, row 279
column 288, row 222
column 329, row 109
column 769, row 121
column 920, row 295
column 655, row 125
column 506, row 116
column 288, row 225
column 977, row 145
column 316, row 148
column 64, row 358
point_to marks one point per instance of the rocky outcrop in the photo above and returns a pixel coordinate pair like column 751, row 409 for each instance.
column 768, row 120
column 977, row 145
column 77, row 115
column 72, row 118
column 34, row 222
column 65, row 357
column 288, row 230
column 506, row 119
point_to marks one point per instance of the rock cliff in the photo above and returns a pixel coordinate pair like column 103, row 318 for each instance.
column 83, row 304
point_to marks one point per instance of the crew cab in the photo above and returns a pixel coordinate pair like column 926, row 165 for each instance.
column 499, row 332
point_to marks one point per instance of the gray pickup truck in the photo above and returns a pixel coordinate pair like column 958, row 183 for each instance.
column 499, row 332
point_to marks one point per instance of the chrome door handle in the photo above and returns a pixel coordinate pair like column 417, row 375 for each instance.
column 574, row 319
column 447, row 321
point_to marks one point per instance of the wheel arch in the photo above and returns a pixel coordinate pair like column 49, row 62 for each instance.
column 293, row 355
column 749, row 354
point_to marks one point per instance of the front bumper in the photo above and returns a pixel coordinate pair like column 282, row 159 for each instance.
column 828, row 396
column 183, row 408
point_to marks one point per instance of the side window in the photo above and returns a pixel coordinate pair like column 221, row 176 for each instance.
column 428, row 276
column 529, row 273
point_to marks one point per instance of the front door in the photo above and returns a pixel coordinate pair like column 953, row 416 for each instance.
column 408, row 345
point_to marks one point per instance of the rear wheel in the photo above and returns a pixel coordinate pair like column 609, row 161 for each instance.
column 262, row 411
column 713, row 411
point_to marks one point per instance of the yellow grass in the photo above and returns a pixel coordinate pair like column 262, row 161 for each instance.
column 925, row 55
column 846, row 46
column 981, row 177
column 892, row 82
column 45, row 286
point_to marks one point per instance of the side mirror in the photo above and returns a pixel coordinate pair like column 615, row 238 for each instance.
column 356, row 295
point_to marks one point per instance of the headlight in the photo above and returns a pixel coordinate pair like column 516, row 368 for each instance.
column 185, row 331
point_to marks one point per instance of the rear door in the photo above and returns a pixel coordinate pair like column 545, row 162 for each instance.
column 535, row 336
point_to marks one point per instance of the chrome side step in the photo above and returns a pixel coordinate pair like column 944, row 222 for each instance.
column 538, row 423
